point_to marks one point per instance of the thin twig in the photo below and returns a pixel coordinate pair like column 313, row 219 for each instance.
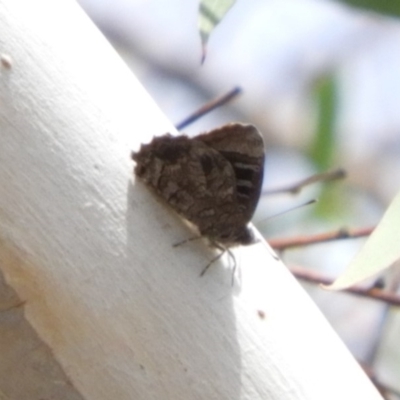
column 372, row 293
column 208, row 107
column 285, row 243
column 371, row 357
column 297, row 187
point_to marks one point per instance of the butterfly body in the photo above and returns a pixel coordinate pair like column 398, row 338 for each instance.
column 213, row 180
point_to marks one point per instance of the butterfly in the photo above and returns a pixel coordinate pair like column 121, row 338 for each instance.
column 213, row 180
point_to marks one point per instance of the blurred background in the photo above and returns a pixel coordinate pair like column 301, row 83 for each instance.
column 321, row 81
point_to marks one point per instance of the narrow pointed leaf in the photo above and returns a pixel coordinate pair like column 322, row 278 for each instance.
column 379, row 252
column 211, row 13
column 387, row 7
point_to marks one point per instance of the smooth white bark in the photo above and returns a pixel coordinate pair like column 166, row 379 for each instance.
column 89, row 249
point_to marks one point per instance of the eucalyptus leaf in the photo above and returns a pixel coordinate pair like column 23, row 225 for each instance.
column 379, row 252
column 386, row 7
column 211, row 13
column 322, row 148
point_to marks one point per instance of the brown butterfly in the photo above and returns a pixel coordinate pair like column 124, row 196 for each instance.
column 213, row 180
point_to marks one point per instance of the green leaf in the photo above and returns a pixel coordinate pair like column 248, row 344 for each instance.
column 323, row 146
column 387, row 7
column 322, row 149
column 379, row 252
column 210, row 14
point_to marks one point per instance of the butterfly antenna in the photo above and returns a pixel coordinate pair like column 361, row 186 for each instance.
column 307, row 203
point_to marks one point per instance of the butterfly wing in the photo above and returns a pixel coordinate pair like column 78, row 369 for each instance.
column 213, row 180
column 243, row 147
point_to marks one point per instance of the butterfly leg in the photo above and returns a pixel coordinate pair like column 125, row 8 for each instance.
column 232, row 256
column 213, row 261
column 186, row 240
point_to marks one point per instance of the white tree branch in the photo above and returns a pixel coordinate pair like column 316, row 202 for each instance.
column 88, row 249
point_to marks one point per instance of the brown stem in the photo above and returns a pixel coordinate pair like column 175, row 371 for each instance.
column 297, row 187
column 208, row 107
column 374, row 293
column 285, row 243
